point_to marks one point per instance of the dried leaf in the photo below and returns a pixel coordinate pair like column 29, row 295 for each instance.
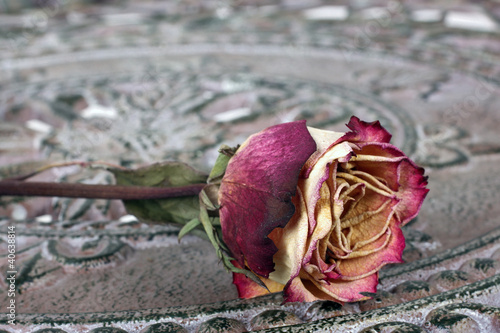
column 225, row 154
column 167, row 174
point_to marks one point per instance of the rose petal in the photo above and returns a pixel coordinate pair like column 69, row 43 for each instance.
column 412, row 190
column 255, row 193
column 298, row 290
column 323, row 219
column 380, row 160
column 353, row 195
column 349, row 291
column 365, row 226
column 324, row 140
column 291, row 242
column 356, row 268
column 248, row 289
column 312, row 192
column 305, row 290
column 366, row 132
column 401, row 175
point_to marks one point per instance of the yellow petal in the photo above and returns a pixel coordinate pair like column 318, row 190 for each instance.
column 291, row 243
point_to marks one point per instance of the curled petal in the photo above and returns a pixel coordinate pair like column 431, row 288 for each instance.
column 323, row 209
column 389, row 251
column 319, row 174
column 248, row 288
column 291, row 242
column 324, row 141
column 388, row 163
column 256, row 191
column 412, row 190
column 370, row 220
column 301, row 289
column 366, row 132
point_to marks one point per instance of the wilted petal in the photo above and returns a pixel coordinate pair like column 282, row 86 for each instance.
column 302, row 289
column 255, row 193
column 318, row 175
column 366, row 132
column 291, row 242
column 391, row 253
column 412, row 190
column 324, row 140
column 298, row 290
column 380, row 160
column 322, row 221
column 248, row 289
column 349, row 291
column 398, row 172
column 353, row 194
column 370, row 218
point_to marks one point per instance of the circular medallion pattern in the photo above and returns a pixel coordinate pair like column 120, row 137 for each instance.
column 134, row 82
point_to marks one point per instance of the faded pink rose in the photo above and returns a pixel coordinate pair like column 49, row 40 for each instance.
column 316, row 213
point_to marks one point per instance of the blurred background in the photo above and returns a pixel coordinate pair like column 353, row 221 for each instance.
column 137, row 82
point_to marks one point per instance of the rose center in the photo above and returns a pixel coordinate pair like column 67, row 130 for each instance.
column 362, row 209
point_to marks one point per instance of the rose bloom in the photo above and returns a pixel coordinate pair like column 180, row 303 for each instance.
column 316, row 213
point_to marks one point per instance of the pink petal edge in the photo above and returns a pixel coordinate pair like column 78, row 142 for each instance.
column 256, row 191
column 362, row 131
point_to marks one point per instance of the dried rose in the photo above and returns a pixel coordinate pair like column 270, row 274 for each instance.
column 318, row 213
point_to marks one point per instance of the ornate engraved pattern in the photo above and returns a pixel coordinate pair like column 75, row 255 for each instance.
column 135, row 84
column 464, row 281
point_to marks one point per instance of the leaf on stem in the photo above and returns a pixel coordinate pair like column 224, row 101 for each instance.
column 188, row 227
column 167, row 174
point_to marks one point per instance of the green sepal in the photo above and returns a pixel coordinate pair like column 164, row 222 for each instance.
column 209, row 228
column 188, row 227
column 225, row 154
column 216, row 222
column 167, row 174
column 209, row 197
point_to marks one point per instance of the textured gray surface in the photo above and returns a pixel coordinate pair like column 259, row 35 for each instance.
column 134, row 82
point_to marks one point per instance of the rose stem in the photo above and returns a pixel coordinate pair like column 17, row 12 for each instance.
column 72, row 190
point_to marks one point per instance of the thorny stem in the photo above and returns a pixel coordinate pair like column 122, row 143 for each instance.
column 77, row 190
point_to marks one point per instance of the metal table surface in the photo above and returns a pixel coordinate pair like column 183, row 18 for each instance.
column 137, row 82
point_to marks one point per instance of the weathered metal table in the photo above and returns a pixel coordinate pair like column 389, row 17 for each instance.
column 135, row 82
